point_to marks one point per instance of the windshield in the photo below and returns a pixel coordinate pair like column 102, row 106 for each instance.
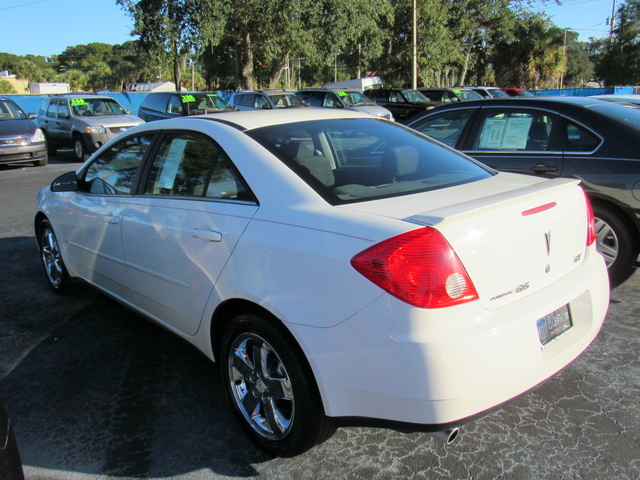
column 355, row 99
column 497, row 93
column 286, row 100
column 87, row 107
column 468, row 95
column 10, row 111
column 359, row 159
column 415, row 96
column 199, row 103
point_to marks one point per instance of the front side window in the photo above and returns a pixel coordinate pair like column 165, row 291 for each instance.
column 514, row 130
column 446, row 128
column 52, row 109
column 115, row 170
column 351, row 160
column 174, row 106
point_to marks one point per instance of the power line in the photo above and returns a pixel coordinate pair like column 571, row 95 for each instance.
column 24, row 5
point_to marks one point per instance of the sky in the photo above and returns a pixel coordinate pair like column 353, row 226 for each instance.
column 48, row 27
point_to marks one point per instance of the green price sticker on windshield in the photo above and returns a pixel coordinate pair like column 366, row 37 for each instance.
column 188, row 98
column 76, row 102
column 342, row 94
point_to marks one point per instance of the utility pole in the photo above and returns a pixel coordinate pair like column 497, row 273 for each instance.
column 613, row 19
column 414, row 49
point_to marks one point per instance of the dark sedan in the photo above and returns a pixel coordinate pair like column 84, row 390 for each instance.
column 21, row 141
column 595, row 141
column 403, row 103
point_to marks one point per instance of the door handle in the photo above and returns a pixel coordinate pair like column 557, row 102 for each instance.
column 112, row 219
column 543, row 168
column 207, row 234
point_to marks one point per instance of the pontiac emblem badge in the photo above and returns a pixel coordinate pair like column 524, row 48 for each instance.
column 547, row 237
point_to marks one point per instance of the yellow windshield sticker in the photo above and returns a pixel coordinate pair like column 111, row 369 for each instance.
column 188, row 98
column 342, row 94
column 75, row 102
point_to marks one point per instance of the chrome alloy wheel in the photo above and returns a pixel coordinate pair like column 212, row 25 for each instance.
column 51, row 258
column 261, row 386
column 606, row 242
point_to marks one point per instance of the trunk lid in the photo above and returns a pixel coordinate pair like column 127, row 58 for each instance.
column 512, row 243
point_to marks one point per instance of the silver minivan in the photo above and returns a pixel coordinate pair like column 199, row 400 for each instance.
column 82, row 122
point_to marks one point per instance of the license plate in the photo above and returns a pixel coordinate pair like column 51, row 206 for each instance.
column 553, row 325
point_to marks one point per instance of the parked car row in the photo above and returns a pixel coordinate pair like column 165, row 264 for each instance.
column 86, row 122
column 544, row 136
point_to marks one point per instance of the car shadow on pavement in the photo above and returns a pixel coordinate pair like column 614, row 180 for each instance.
column 96, row 389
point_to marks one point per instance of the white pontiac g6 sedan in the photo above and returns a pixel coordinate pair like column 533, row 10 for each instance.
column 340, row 269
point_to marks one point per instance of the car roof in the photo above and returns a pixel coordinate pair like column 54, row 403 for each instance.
column 80, row 95
column 248, row 120
column 527, row 101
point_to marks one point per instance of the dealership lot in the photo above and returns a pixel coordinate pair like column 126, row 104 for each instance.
column 96, row 391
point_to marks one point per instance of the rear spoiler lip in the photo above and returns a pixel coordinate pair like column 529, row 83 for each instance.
column 453, row 213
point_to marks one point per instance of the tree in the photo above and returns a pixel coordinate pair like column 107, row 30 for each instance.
column 6, row 87
column 174, row 28
column 535, row 58
column 620, row 63
column 580, row 68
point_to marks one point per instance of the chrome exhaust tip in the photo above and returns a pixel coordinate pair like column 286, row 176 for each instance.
column 446, row 436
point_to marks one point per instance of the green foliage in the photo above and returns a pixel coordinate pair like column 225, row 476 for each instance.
column 234, row 44
column 6, row 87
column 620, row 61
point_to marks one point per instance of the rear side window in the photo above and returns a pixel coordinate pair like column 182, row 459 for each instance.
column 579, row 139
column 351, row 160
column 190, row 165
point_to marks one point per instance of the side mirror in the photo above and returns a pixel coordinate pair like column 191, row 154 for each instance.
column 67, row 182
column 63, row 115
column 31, row 116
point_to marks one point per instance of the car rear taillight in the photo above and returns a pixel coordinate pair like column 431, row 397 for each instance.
column 591, row 222
column 418, row 267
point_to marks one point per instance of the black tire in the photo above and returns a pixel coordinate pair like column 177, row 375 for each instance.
column 54, row 269
column 271, row 387
column 42, row 162
column 616, row 242
column 51, row 147
column 79, row 148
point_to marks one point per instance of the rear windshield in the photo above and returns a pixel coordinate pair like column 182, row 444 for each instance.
column 624, row 112
column 353, row 160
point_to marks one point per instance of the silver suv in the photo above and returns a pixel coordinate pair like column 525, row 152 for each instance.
column 82, row 122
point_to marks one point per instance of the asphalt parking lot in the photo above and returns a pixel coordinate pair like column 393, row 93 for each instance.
column 97, row 392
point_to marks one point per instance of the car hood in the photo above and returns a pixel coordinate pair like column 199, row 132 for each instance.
column 376, row 110
column 10, row 128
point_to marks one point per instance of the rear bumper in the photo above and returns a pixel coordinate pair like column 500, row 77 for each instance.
column 439, row 368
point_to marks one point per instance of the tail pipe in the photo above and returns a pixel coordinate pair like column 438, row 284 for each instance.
column 446, row 436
